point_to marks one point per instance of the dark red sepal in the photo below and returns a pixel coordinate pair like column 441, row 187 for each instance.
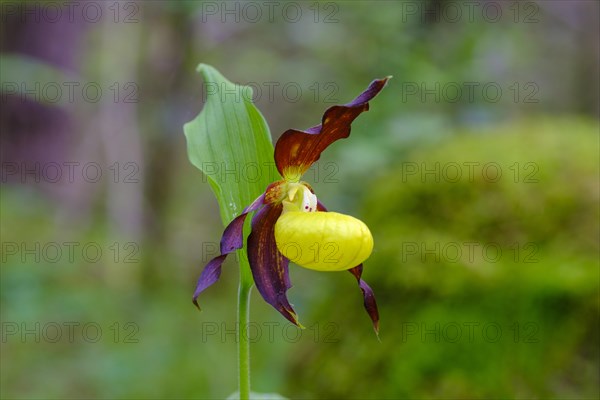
column 269, row 267
column 297, row 150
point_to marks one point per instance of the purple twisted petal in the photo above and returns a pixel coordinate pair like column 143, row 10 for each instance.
column 369, row 296
column 232, row 239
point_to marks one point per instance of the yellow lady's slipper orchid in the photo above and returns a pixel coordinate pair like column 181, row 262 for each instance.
column 290, row 224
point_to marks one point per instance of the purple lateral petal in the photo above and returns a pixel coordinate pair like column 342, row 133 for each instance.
column 232, row 239
column 370, row 303
column 233, row 236
column 297, row 150
column 320, row 206
column 210, row 275
column 369, row 296
column 269, row 267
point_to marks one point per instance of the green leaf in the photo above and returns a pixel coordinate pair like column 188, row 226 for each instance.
column 230, row 142
column 258, row 396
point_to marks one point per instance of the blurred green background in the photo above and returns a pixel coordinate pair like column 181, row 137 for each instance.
column 476, row 170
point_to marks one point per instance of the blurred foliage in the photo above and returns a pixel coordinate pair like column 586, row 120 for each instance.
column 516, row 316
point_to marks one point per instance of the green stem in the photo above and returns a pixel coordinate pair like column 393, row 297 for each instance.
column 244, row 290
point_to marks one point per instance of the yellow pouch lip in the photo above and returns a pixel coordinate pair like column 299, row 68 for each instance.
column 323, row 241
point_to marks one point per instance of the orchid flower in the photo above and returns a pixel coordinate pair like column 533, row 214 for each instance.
column 291, row 224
